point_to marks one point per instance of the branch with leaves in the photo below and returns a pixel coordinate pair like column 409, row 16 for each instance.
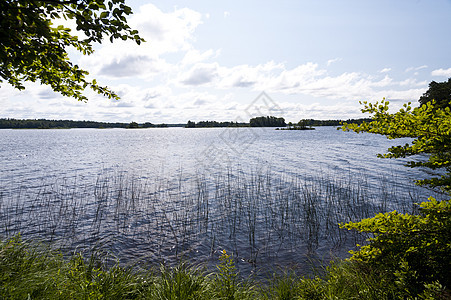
column 32, row 49
column 430, row 129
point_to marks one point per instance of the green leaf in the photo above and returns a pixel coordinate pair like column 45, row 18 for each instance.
column 32, row 50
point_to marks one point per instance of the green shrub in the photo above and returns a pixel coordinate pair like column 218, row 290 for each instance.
column 226, row 277
column 411, row 250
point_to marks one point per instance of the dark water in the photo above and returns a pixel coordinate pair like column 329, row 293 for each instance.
column 272, row 198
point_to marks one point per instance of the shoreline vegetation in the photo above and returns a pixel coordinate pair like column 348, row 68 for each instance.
column 7, row 123
column 269, row 121
column 34, row 271
column 30, row 270
column 253, row 213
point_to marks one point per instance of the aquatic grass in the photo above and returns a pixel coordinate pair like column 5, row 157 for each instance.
column 258, row 216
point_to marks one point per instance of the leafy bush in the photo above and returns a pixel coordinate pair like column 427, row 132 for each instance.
column 430, row 128
column 412, row 251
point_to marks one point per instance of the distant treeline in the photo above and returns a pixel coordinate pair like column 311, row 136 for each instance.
column 312, row 122
column 203, row 124
column 46, row 124
column 271, row 121
column 254, row 122
column 145, row 125
column 268, row 121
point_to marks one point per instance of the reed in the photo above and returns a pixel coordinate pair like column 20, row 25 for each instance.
column 257, row 216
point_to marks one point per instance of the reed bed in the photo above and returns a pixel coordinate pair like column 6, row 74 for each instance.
column 265, row 221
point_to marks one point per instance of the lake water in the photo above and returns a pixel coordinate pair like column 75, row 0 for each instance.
column 271, row 198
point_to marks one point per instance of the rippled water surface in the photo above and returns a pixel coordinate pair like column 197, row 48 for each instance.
column 272, row 198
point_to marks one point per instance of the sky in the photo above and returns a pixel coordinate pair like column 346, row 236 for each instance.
column 232, row 60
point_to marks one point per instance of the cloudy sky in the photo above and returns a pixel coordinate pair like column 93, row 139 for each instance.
column 210, row 60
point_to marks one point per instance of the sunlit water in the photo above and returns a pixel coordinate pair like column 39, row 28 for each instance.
column 271, row 198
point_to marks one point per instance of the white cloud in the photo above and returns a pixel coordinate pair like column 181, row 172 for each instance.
column 7, row 91
column 293, row 112
column 331, row 61
column 411, row 95
column 410, row 69
column 412, row 82
column 200, row 74
column 268, row 76
column 442, row 72
column 304, row 79
column 197, row 100
column 307, row 79
column 385, row 70
column 151, row 95
column 165, row 33
column 47, row 94
column 386, row 81
column 194, row 56
column 130, row 65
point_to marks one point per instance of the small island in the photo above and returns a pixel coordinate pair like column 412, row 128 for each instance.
column 301, row 125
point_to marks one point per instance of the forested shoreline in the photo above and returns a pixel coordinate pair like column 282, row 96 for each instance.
column 11, row 123
column 48, row 124
column 271, row 121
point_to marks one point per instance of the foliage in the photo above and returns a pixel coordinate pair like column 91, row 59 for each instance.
column 301, row 125
column 438, row 91
column 431, row 129
column 256, row 122
column 268, row 121
column 30, row 271
column 47, row 124
column 413, row 251
column 181, row 282
column 33, row 49
column 190, row 124
column 203, row 124
column 410, row 254
column 312, row 122
column 133, row 125
column 37, row 272
column 289, row 286
column 227, row 276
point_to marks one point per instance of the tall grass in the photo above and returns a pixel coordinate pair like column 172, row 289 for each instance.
column 262, row 219
column 33, row 271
